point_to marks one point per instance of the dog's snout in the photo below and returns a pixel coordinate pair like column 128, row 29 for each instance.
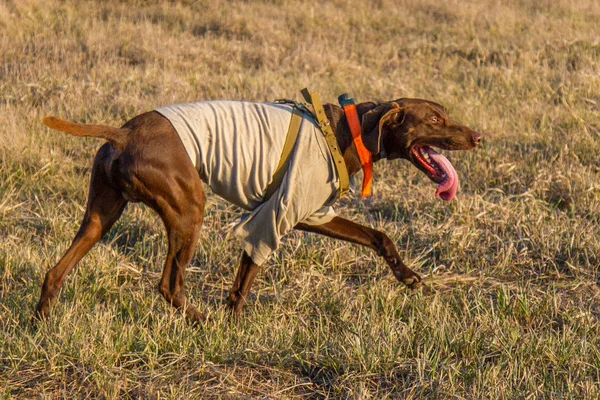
column 476, row 138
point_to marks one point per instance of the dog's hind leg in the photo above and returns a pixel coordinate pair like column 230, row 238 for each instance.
column 157, row 171
column 182, row 243
column 105, row 205
column 177, row 195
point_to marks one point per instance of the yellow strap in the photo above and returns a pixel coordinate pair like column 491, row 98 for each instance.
column 288, row 146
column 340, row 165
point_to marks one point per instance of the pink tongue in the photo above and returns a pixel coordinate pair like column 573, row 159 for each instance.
column 447, row 189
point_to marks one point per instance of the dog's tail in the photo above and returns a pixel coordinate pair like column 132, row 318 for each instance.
column 116, row 136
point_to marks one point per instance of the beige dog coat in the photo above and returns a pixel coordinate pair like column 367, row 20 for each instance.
column 236, row 147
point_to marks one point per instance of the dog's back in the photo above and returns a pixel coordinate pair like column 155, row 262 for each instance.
column 236, row 146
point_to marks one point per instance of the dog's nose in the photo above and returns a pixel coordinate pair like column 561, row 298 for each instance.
column 476, row 138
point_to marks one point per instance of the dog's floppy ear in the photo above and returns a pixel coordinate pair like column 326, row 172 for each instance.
column 374, row 122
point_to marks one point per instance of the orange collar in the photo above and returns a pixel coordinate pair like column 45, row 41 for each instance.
column 366, row 159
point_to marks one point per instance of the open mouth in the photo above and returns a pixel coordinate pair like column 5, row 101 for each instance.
column 439, row 170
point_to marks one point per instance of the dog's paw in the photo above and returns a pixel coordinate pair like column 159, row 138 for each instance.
column 414, row 281
column 195, row 317
column 41, row 313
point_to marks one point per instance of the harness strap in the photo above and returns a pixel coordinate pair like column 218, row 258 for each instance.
column 288, row 146
column 340, row 165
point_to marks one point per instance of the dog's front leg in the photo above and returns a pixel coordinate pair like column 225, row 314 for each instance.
column 340, row 228
column 243, row 281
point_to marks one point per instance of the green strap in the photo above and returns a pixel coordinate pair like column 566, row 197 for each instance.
column 340, row 165
column 288, row 146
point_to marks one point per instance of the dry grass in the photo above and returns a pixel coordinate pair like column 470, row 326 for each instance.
column 514, row 261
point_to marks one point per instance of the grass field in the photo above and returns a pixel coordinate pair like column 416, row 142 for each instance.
column 514, row 261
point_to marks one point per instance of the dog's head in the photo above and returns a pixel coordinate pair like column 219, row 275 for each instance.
column 409, row 128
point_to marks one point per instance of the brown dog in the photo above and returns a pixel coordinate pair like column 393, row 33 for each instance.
column 146, row 161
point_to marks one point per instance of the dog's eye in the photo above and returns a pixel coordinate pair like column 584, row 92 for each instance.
column 435, row 119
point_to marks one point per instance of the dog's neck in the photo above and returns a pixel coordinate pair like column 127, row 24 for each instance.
column 341, row 128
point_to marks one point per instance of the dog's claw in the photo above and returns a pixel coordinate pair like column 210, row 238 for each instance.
column 413, row 281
